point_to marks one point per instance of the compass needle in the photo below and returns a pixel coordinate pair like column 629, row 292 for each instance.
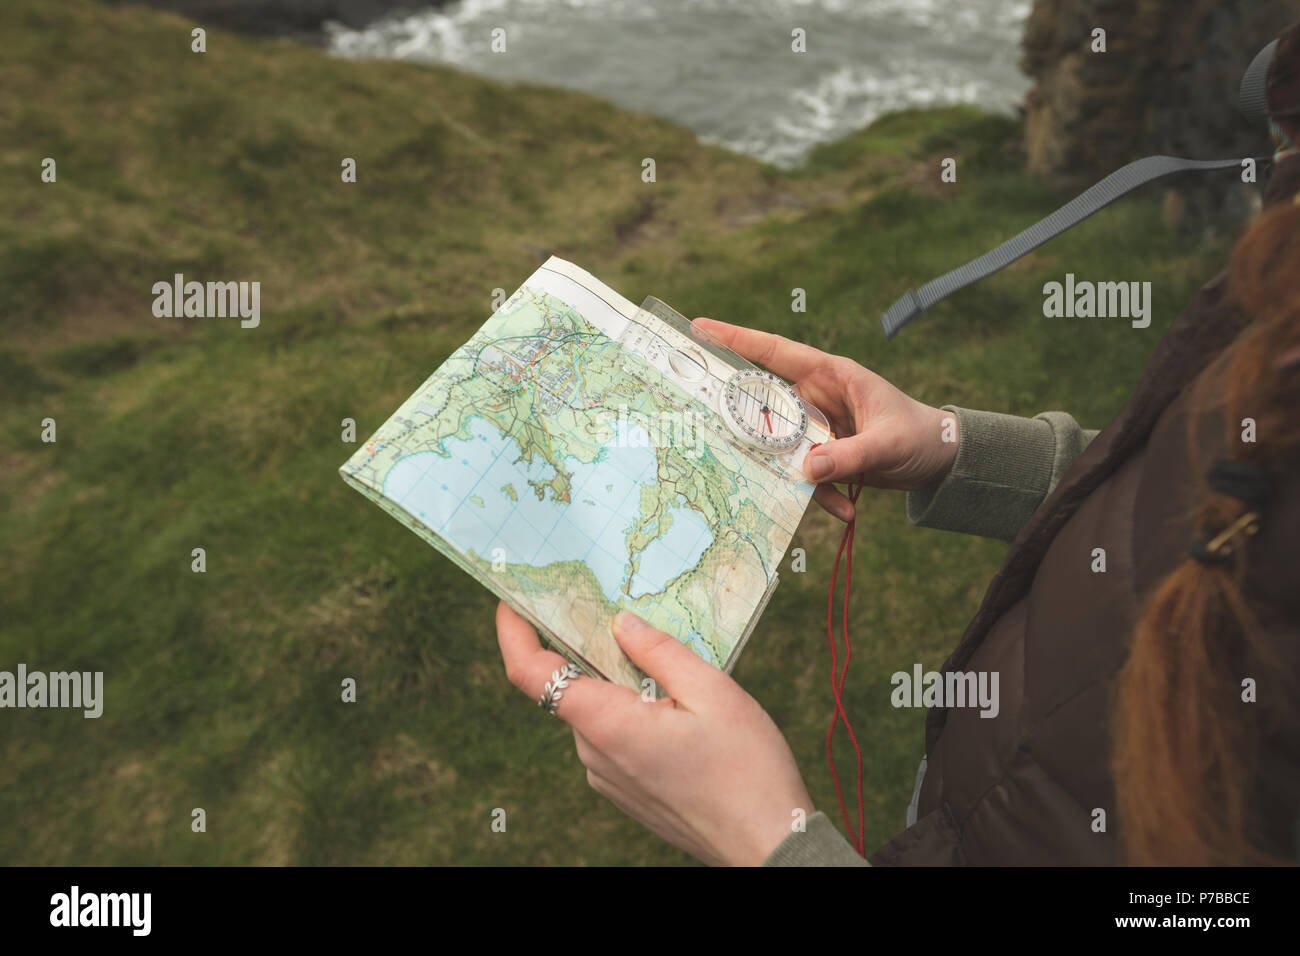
column 764, row 411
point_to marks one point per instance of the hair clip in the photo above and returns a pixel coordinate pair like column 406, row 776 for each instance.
column 1246, row 482
column 1220, row 548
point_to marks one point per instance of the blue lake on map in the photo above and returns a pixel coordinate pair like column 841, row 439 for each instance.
column 467, row 500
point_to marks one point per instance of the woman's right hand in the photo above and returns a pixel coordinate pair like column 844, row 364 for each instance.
column 889, row 440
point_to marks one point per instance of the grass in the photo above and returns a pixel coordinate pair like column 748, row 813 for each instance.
column 223, row 689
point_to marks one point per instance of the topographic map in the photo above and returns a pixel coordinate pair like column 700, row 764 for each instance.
column 558, row 459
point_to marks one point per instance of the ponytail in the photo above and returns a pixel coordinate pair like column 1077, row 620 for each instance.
column 1187, row 752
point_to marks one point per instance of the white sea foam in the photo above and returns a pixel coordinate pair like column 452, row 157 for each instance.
column 724, row 67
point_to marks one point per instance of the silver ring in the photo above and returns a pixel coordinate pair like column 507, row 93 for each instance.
column 554, row 690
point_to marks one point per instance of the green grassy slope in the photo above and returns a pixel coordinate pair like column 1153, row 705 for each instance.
column 222, row 689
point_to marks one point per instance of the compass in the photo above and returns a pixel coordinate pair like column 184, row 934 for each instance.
column 764, row 411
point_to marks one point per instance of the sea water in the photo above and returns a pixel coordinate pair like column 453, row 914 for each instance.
column 725, row 68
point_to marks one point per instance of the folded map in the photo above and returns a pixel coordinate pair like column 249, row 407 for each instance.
column 575, row 457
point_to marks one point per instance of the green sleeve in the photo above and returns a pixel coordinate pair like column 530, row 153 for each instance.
column 820, row 844
column 1005, row 467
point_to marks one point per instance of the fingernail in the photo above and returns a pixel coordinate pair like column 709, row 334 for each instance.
column 819, row 466
column 626, row 622
column 848, row 512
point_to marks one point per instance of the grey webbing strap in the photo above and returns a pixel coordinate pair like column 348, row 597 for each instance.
column 1123, row 180
column 1252, row 100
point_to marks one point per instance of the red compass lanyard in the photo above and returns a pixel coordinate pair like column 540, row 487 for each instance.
column 839, row 673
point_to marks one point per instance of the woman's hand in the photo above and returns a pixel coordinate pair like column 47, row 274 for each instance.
column 706, row 768
column 888, row 440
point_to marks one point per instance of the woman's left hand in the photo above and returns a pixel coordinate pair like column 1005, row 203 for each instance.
column 705, row 768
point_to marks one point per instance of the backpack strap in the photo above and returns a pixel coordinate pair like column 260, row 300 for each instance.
column 1252, row 100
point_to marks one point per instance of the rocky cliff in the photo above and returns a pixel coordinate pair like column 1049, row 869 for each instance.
column 1167, row 83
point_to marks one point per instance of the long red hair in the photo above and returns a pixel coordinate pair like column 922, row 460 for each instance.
column 1190, row 759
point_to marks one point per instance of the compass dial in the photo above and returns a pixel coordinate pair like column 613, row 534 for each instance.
column 764, row 411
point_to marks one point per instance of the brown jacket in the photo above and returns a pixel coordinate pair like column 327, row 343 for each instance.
column 1030, row 785
column 1024, row 787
